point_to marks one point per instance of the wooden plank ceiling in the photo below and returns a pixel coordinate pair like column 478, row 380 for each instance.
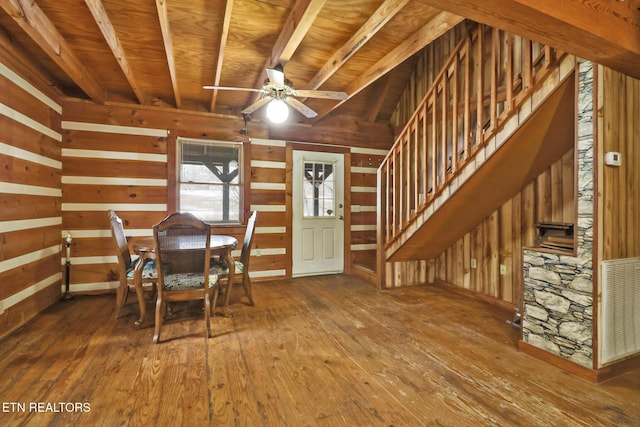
column 162, row 53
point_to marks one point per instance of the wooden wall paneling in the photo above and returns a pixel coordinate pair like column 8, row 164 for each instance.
column 466, row 261
column 88, row 140
column 268, row 196
column 21, row 171
column 21, row 101
column 110, row 166
column 449, row 260
column 269, row 175
column 516, row 272
column 114, row 168
column 18, row 279
column 347, row 213
column 29, row 206
column 19, row 135
column 506, row 246
column 98, row 220
column 20, row 242
column 528, row 218
column 632, row 152
column 557, row 188
column 30, row 194
column 289, row 206
column 475, row 242
column 77, row 193
column 568, row 187
column 459, row 266
column 363, row 218
column 494, row 261
column 188, row 123
column 272, row 153
column 612, row 182
column 621, row 192
column 544, row 211
column 499, row 239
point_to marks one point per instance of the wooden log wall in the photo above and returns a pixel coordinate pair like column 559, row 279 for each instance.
column 119, row 157
column 30, row 194
column 619, row 127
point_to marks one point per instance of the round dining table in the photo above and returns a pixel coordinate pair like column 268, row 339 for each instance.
column 220, row 245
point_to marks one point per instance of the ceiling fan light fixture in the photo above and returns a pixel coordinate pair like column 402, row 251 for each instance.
column 277, row 111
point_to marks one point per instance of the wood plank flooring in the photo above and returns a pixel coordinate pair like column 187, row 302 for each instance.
column 326, row 351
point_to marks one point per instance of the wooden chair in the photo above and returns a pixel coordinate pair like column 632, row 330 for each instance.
column 183, row 255
column 242, row 266
column 127, row 264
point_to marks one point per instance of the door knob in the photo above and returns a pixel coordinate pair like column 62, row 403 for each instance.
column 329, row 212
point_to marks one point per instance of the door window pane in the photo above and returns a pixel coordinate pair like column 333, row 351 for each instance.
column 318, row 190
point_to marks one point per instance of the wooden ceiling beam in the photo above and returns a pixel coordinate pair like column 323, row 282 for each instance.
column 165, row 28
column 296, row 26
column 387, row 10
column 378, row 97
column 440, row 24
column 603, row 31
column 223, row 44
column 33, row 21
column 300, row 19
column 106, row 27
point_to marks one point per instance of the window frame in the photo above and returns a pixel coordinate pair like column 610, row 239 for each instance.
column 173, row 174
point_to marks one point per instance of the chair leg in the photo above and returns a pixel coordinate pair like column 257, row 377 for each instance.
column 159, row 315
column 121, row 299
column 216, row 292
column 246, row 285
column 207, row 313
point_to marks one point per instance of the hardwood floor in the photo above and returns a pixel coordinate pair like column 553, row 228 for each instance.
column 328, row 351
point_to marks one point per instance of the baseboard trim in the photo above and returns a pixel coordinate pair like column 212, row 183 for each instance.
column 597, row 376
column 364, row 273
column 506, row 305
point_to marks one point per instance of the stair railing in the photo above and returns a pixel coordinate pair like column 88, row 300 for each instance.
column 480, row 87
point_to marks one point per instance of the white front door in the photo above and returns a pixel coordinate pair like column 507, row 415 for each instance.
column 318, row 213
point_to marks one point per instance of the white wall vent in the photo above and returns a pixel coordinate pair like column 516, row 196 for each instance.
column 620, row 309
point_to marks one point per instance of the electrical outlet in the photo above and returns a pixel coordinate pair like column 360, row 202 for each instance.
column 474, row 264
column 503, row 269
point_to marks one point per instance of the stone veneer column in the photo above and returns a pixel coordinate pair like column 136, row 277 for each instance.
column 558, row 289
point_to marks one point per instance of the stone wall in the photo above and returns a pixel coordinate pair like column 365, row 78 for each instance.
column 558, row 289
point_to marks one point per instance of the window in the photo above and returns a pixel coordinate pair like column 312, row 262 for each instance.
column 318, row 186
column 210, row 180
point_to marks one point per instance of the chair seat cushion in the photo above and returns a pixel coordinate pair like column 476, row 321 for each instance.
column 148, row 272
column 186, row 281
column 220, row 267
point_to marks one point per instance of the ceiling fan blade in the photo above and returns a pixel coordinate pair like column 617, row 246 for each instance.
column 276, row 76
column 259, row 103
column 303, row 109
column 325, row 94
column 244, row 89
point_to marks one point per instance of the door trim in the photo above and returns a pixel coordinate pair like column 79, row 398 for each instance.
column 290, row 147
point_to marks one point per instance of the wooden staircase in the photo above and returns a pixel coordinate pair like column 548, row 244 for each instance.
column 500, row 111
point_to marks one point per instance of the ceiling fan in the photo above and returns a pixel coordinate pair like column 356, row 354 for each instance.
column 277, row 88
